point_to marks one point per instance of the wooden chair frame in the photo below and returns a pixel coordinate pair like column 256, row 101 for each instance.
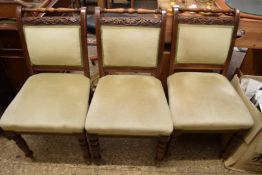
column 8, row 8
column 226, row 17
column 230, row 17
column 104, row 70
column 58, row 20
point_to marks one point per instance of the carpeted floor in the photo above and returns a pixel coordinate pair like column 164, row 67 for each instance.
column 189, row 154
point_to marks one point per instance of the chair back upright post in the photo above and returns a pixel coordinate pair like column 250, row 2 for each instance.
column 213, row 22
column 130, row 29
column 62, row 37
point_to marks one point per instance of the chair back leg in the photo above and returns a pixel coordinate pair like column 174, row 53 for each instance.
column 94, row 147
column 84, row 146
column 162, row 147
column 21, row 143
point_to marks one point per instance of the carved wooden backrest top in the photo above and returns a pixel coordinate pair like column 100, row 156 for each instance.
column 141, row 20
column 54, row 20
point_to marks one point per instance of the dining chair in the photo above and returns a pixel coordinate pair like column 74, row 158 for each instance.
column 129, row 99
column 200, row 98
column 52, row 100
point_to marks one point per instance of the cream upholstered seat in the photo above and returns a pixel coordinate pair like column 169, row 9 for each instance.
column 129, row 105
column 206, row 101
column 201, row 100
column 49, row 103
column 53, row 99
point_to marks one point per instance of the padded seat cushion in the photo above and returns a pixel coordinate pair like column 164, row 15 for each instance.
column 129, row 105
column 49, row 103
column 206, row 101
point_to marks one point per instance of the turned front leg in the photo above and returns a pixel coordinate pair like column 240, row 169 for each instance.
column 94, row 147
column 84, row 146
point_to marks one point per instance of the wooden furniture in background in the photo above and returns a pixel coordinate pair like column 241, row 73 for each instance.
column 249, row 35
column 12, row 62
column 54, row 102
column 252, row 63
column 250, row 29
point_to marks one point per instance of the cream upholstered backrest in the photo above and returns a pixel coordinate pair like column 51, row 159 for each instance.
column 203, row 44
column 202, row 39
column 54, row 44
column 130, row 45
column 130, row 40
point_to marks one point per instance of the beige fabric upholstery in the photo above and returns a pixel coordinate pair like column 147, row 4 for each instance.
column 129, row 105
column 130, row 46
column 203, row 44
column 206, row 101
column 54, row 45
column 49, row 103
